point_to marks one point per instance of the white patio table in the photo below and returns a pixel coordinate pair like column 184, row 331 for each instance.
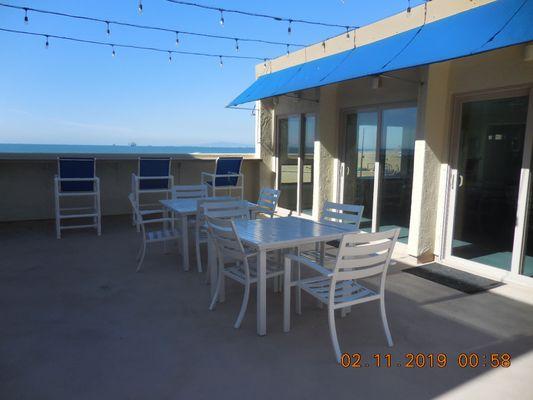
column 280, row 233
column 185, row 208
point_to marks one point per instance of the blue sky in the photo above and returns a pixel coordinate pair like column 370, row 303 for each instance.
column 74, row 93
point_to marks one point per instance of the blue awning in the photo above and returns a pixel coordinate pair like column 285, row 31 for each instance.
column 498, row 24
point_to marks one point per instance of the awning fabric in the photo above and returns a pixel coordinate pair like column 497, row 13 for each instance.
column 498, row 24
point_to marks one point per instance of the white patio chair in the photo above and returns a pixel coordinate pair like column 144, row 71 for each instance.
column 227, row 176
column 165, row 234
column 267, row 202
column 153, row 179
column 339, row 215
column 200, row 228
column 76, row 180
column 361, row 255
column 188, row 191
column 235, row 262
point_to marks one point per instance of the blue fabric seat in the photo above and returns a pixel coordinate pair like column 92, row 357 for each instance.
column 154, row 167
column 227, row 166
column 71, row 168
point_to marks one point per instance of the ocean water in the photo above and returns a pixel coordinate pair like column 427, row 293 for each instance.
column 113, row 149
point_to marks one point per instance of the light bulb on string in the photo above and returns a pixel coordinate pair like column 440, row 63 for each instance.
column 140, row 7
column 26, row 19
column 347, row 32
column 169, row 56
column 221, row 62
column 324, row 46
column 221, row 17
column 289, row 29
column 108, row 28
column 47, row 44
column 265, row 64
column 177, row 39
column 236, row 44
column 288, row 50
column 408, row 7
column 113, row 53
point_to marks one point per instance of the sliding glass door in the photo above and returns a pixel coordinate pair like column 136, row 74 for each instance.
column 296, row 140
column 489, row 219
column 378, row 166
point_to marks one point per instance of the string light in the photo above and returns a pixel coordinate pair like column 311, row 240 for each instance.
column 221, row 17
column 236, row 44
column 140, row 7
column 289, row 28
column 169, row 56
column 113, row 53
column 177, row 39
column 256, row 15
column 288, row 50
column 324, row 45
column 129, row 46
column 221, row 62
column 408, row 6
column 108, row 29
column 347, row 32
column 148, row 27
column 46, row 45
column 26, row 19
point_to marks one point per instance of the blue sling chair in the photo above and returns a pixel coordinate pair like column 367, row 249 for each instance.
column 153, row 178
column 227, row 176
column 74, row 181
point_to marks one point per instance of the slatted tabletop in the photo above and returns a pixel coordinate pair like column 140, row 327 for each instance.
column 277, row 233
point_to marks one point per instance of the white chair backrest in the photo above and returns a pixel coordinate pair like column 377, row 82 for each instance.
column 268, row 201
column 189, row 191
column 229, row 246
column 336, row 213
column 365, row 254
column 227, row 209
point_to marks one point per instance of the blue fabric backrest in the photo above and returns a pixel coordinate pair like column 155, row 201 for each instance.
column 76, row 168
column 154, row 167
column 228, row 165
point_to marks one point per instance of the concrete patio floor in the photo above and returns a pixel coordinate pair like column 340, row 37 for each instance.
column 79, row 323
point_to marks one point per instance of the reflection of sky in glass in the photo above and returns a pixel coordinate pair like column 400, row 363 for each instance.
column 400, row 126
column 294, row 135
column 310, row 134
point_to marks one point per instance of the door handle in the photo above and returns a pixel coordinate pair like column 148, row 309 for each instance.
column 461, row 180
column 347, row 170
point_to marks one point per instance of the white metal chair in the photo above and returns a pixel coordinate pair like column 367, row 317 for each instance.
column 189, row 191
column 227, row 176
column 339, row 215
column 152, row 180
column 235, row 262
column 76, row 179
column 361, row 255
column 200, row 228
column 267, row 202
column 165, row 234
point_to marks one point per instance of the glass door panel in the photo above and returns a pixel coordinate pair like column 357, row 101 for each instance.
column 307, row 165
column 488, row 176
column 360, row 157
column 398, row 129
column 288, row 153
column 527, row 262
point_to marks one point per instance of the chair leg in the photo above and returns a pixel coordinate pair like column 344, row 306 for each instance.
column 198, row 253
column 244, row 305
column 385, row 322
column 217, row 291
column 139, row 252
column 142, row 256
column 287, row 296
column 298, row 300
column 222, row 292
column 333, row 333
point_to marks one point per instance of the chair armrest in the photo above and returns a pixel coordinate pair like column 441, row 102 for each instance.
column 150, row 212
column 318, row 268
column 94, row 179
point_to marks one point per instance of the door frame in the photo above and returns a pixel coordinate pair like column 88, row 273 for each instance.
column 378, row 108
column 523, row 190
column 301, row 154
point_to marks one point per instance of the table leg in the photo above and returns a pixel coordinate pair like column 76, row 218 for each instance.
column 185, row 242
column 212, row 265
column 261, row 293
